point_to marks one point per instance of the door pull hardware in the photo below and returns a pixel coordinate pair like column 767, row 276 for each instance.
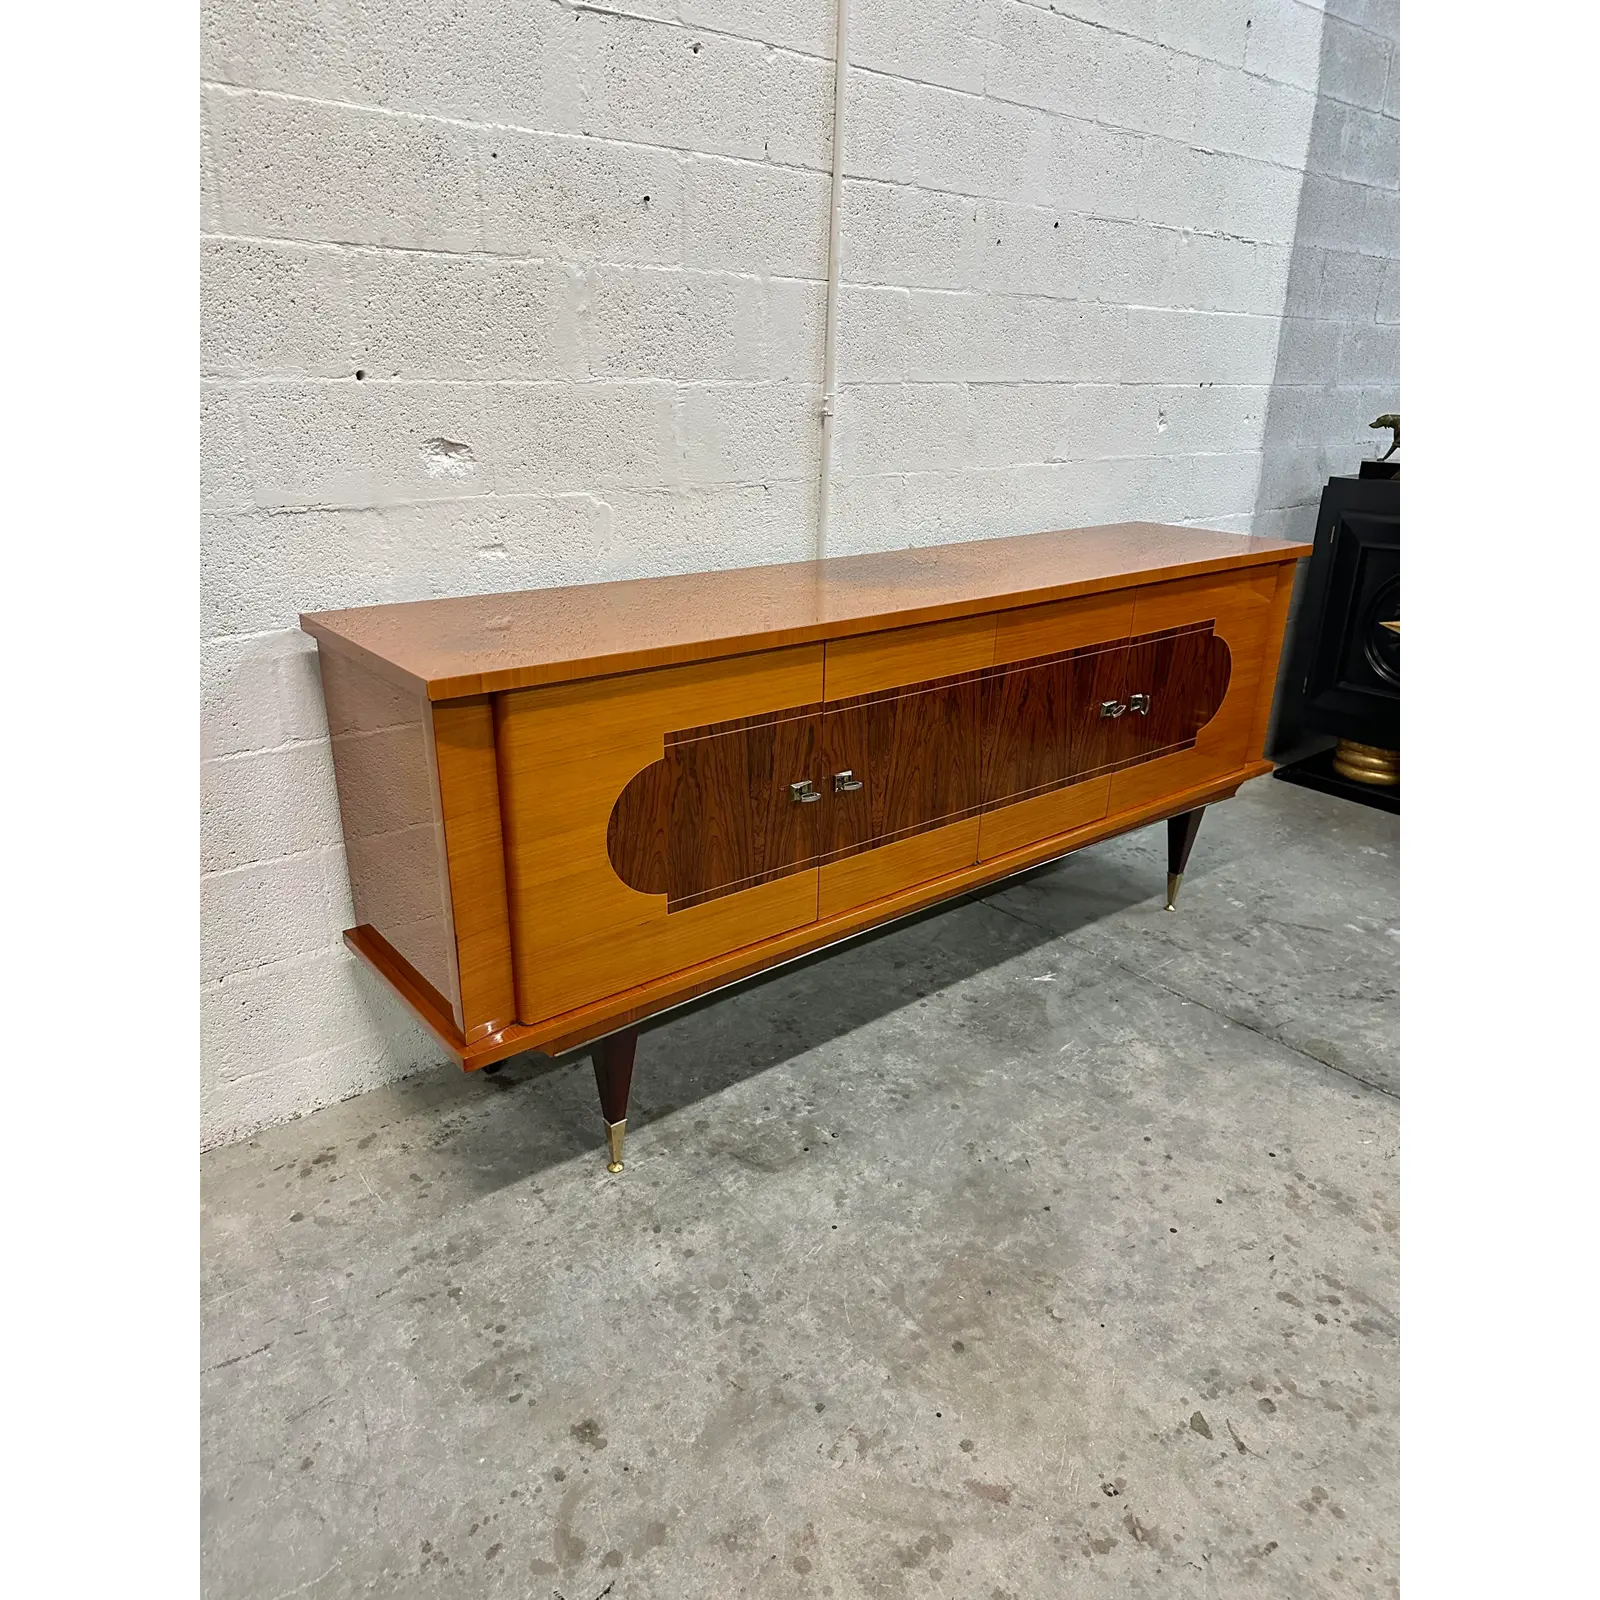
column 845, row 782
column 1139, row 703
column 803, row 792
column 1112, row 708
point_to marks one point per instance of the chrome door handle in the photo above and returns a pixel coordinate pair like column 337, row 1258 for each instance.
column 803, row 792
column 1139, row 703
column 1112, row 708
column 845, row 782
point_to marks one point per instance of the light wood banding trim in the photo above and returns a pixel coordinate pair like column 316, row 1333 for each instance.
column 859, row 879
column 1015, row 826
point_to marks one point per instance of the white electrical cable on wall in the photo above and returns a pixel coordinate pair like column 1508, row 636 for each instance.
column 830, row 334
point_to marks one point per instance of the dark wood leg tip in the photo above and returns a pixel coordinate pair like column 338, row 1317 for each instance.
column 1181, row 832
column 613, row 1076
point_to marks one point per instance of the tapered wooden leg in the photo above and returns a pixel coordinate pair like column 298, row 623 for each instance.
column 613, row 1075
column 1181, row 831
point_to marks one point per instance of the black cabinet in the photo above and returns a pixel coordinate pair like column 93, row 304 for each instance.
column 1342, row 666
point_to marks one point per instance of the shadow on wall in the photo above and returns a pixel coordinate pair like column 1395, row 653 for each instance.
column 1338, row 363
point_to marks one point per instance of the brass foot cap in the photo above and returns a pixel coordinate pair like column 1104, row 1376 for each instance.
column 1174, row 880
column 615, row 1132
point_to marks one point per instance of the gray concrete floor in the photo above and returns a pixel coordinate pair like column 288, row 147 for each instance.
column 1042, row 1246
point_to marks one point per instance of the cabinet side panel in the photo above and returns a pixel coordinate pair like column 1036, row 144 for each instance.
column 383, row 763
column 567, row 752
column 469, row 793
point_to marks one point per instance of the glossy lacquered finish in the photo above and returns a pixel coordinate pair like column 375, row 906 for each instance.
column 587, row 1023
column 384, row 761
column 737, row 804
column 580, row 932
column 720, row 811
column 567, row 811
column 482, row 643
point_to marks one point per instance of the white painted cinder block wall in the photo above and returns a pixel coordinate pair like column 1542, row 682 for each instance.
column 515, row 292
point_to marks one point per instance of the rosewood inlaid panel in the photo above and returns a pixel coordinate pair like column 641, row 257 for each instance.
column 914, row 753
column 1176, row 671
column 1241, row 610
column 1026, row 718
column 735, row 804
column 715, row 813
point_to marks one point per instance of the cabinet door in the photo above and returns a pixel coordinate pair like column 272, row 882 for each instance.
column 1026, row 720
column 693, row 763
column 902, row 722
column 1172, row 686
column 718, row 813
column 1100, row 737
column 914, row 753
column 1209, row 678
column 1051, row 723
column 1046, row 747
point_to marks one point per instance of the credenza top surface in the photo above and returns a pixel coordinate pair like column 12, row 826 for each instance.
column 480, row 643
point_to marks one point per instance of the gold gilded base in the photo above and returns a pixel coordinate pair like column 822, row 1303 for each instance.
column 1366, row 763
column 615, row 1132
column 1174, row 883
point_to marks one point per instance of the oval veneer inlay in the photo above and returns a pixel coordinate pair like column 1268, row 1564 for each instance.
column 716, row 813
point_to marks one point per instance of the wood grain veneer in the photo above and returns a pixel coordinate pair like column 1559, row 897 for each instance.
column 887, row 869
column 395, row 848
column 568, row 810
column 569, row 1030
column 1240, row 609
column 448, row 648
column 1061, row 810
column 566, row 752
column 931, row 833
column 717, row 814
column 1048, row 630
column 915, row 752
column 869, row 662
column 1048, row 808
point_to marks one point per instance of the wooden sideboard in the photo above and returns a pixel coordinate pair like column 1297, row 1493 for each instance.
column 566, row 810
